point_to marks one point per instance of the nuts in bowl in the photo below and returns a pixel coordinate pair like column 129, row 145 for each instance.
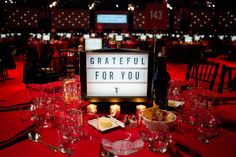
column 154, row 117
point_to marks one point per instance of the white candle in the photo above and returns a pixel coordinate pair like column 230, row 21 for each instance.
column 92, row 108
column 115, row 110
column 140, row 109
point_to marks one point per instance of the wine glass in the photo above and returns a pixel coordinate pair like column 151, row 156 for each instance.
column 174, row 89
column 44, row 111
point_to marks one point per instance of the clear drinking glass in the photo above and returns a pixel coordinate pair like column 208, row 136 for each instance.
column 71, row 93
column 44, row 111
column 158, row 140
column 89, row 133
column 143, row 131
column 70, row 130
column 174, row 88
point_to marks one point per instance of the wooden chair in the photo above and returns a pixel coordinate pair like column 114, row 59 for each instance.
column 2, row 76
column 71, row 57
column 203, row 71
column 3, row 72
column 231, row 84
column 56, row 66
column 52, row 71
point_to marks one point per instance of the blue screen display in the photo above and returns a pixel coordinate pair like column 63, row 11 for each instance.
column 112, row 18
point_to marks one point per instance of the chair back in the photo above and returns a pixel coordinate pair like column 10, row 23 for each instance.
column 203, row 71
column 71, row 57
column 231, row 70
column 55, row 67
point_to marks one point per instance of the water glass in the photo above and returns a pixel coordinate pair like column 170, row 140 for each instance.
column 70, row 129
column 174, row 88
column 158, row 140
column 196, row 96
column 71, row 93
column 34, row 91
column 29, row 114
column 89, row 133
column 44, row 109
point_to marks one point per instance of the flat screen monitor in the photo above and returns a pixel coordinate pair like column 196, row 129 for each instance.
column 221, row 37
column 60, row 34
column 158, row 36
column 150, row 35
column 46, row 36
column 112, row 19
column 39, row 36
column 111, row 35
column 119, row 37
column 188, row 39
column 233, row 38
column 143, row 37
column 197, row 37
column 68, row 35
column 3, row 35
column 116, row 75
column 93, row 35
column 86, row 36
column 33, row 35
column 93, row 43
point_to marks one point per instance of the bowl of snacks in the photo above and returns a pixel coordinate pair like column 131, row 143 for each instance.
column 154, row 117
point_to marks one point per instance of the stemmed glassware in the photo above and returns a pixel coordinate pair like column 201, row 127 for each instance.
column 199, row 118
column 43, row 104
column 174, row 89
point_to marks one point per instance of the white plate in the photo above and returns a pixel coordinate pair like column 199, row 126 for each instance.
column 174, row 103
column 122, row 144
column 94, row 123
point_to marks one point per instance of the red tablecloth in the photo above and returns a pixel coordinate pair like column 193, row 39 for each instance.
column 221, row 146
column 11, row 123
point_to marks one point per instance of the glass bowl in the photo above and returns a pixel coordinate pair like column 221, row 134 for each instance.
column 124, row 143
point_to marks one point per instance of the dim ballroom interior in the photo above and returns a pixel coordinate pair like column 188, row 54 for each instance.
column 109, row 78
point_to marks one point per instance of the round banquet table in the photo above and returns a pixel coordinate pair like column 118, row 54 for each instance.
column 220, row 146
column 11, row 123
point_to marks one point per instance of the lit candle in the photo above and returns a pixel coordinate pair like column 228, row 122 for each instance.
column 115, row 110
column 92, row 108
column 139, row 112
column 140, row 109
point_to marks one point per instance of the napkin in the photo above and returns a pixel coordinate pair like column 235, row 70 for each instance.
column 16, row 107
column 88, row 148
column 219, row 100
column 226, row 114
column 13, row 129
column 19, row 97
column 188, row 144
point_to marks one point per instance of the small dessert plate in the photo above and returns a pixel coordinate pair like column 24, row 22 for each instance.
column 174, row 103
column 123, row 143
column 95, row 123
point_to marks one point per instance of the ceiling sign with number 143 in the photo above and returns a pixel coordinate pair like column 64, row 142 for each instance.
column 156, row 16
